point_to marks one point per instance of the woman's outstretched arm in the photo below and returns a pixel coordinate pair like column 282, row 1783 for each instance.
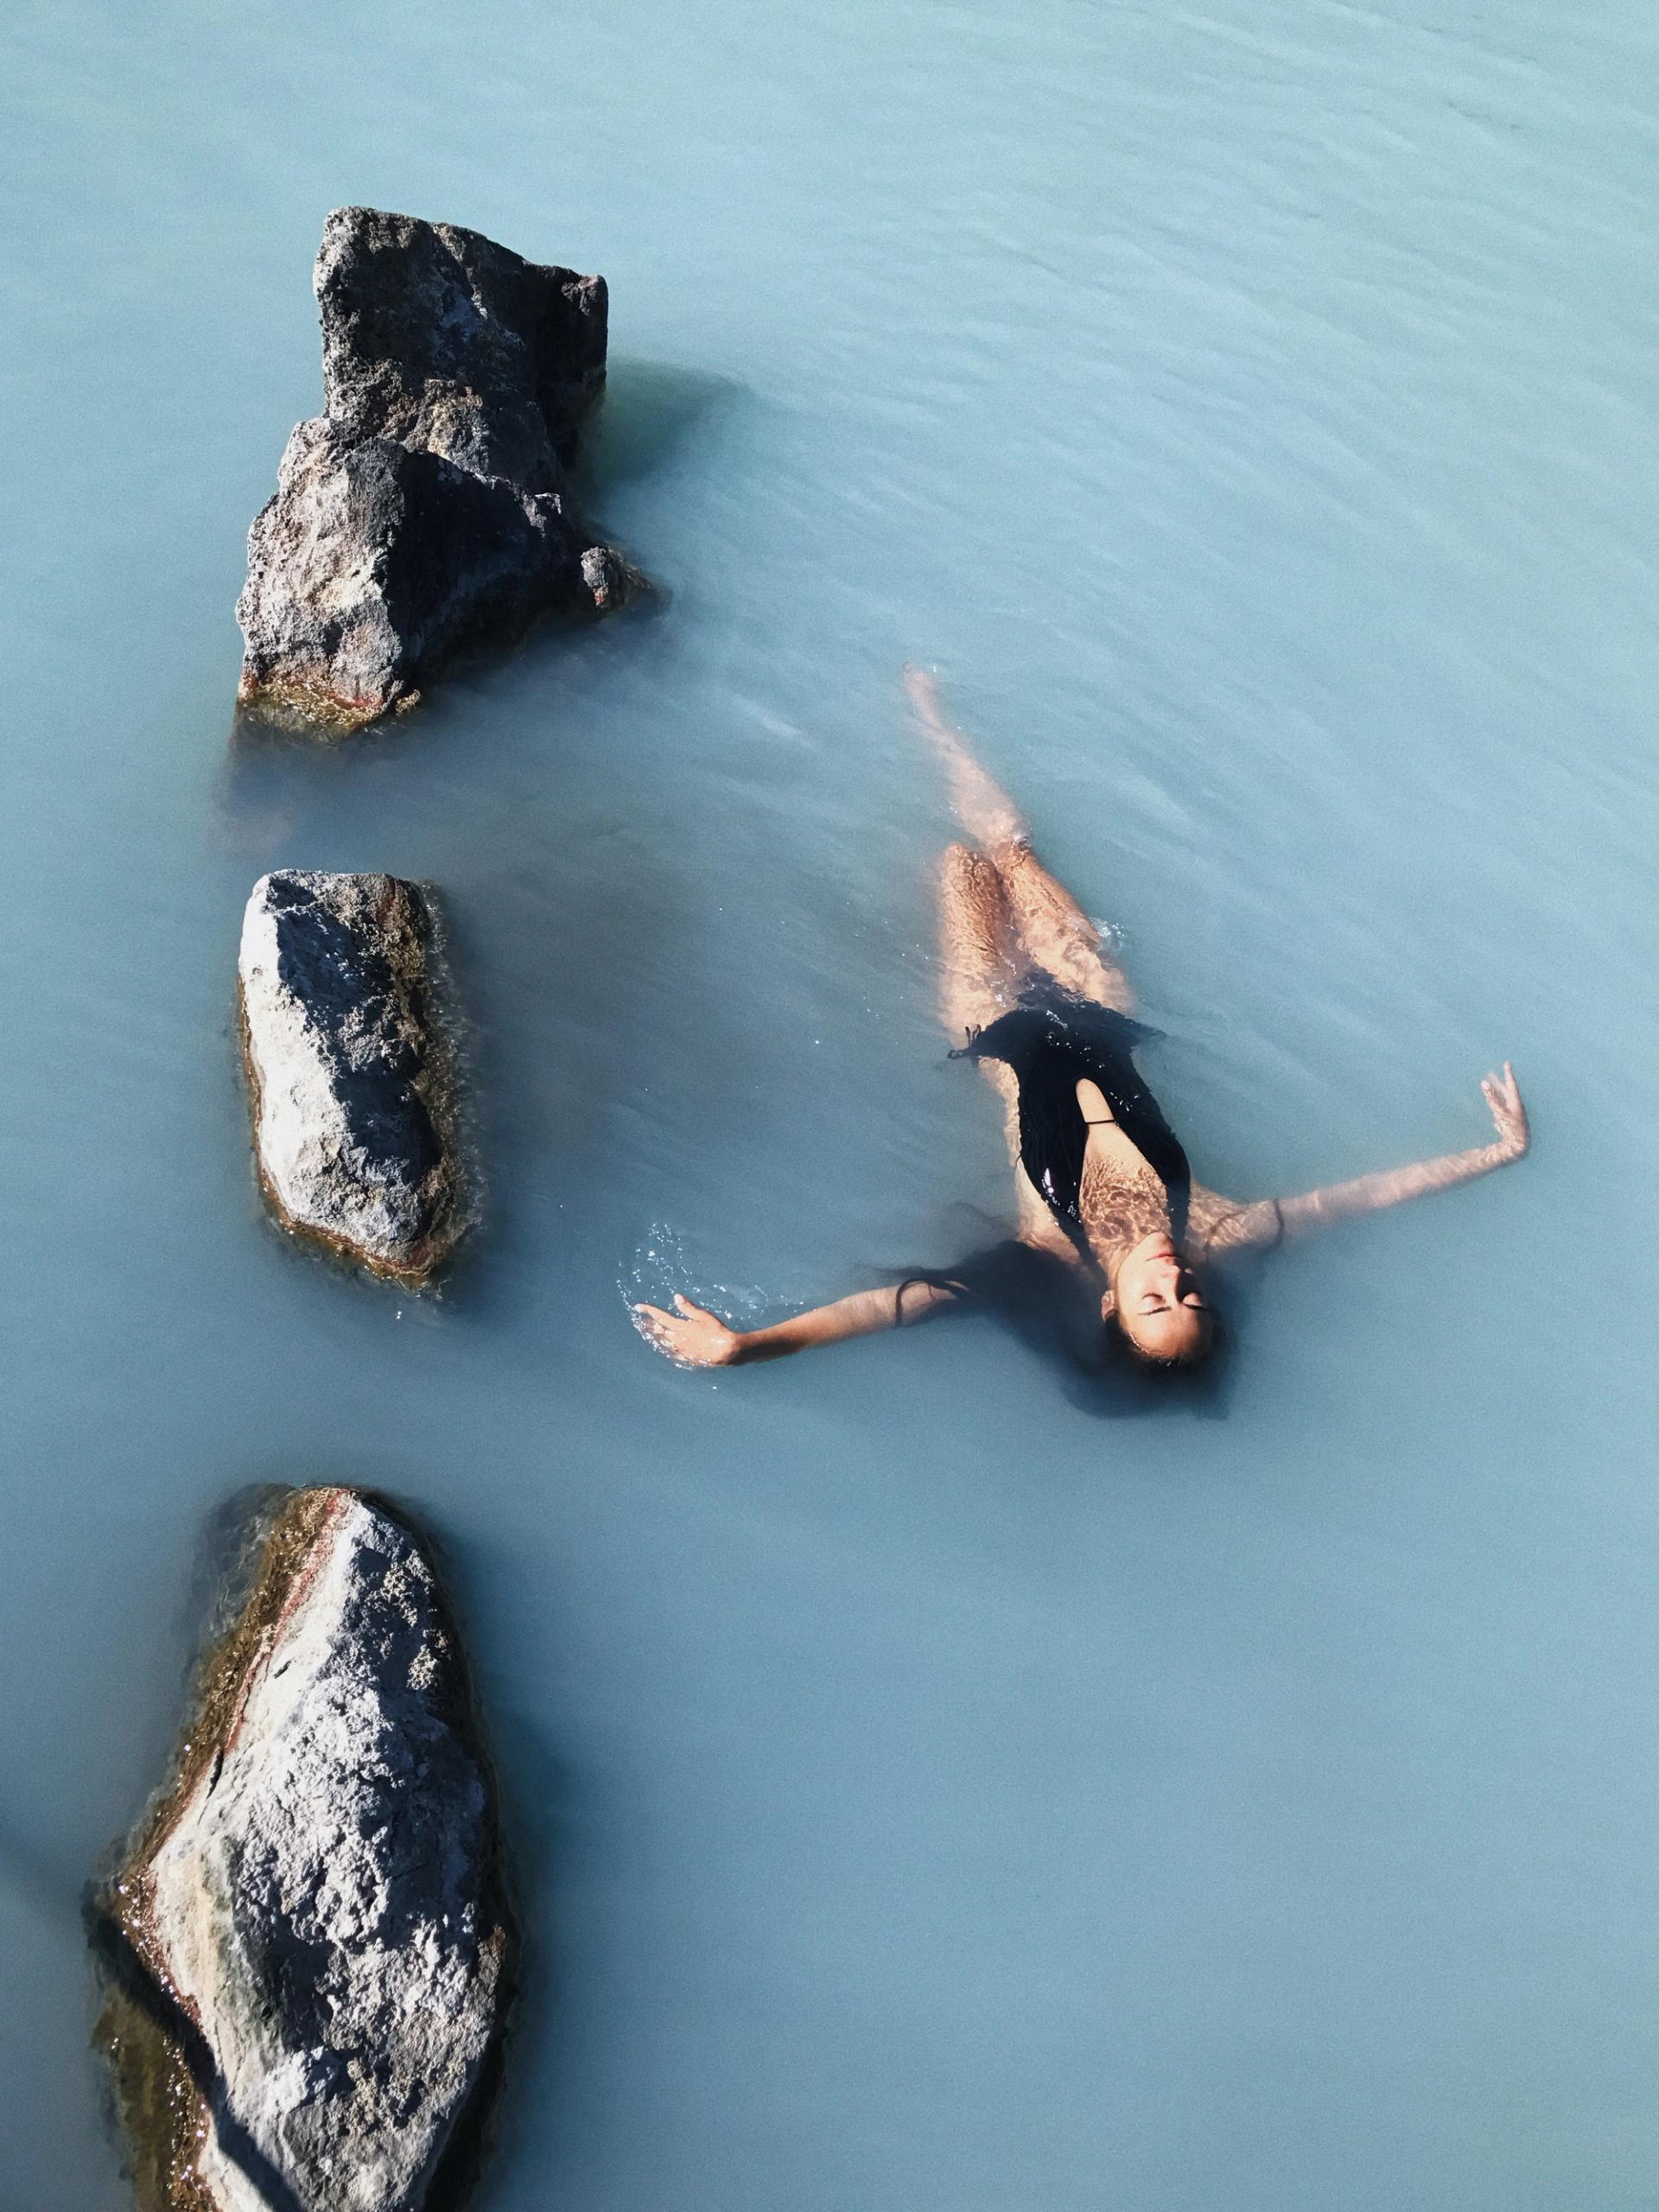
column 695, row 1338
column 1221, row 1228
column 1371, row 1193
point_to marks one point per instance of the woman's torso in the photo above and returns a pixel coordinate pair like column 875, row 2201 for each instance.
column 1133, row 1181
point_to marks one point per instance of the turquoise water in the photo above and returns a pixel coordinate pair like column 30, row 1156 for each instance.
column 926, row 1792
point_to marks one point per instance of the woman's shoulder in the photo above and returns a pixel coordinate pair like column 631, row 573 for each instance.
column 1223, row 1226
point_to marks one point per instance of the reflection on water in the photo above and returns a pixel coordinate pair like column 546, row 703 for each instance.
column 923, row 1792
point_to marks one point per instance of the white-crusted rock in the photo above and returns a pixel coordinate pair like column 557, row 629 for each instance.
column 347, row 1069
column 307, row 1937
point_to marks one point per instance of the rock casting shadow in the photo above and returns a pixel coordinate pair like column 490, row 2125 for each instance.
column 427, row 507
column 219, row 1582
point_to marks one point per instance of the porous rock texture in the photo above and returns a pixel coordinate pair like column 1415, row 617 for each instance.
column 306, row 1939
column 348, row 1070
column 428, row 505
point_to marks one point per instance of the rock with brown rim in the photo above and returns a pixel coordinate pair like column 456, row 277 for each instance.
column 349, row 1068
column 428, row 506
column 306, row 1941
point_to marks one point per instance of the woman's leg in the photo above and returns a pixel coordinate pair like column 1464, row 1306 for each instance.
column 1059, row 936
column 979, row 947
column 981, row 969
column 1055, row 933
column 982, row 807
column 980, row 976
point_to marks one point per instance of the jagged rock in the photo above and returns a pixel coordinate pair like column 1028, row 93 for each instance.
column 428, row 505
column 305, row 1942
column 350, row 1076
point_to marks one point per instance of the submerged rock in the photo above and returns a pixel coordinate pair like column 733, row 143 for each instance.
column 354, row 1117
column 428, row 505
column 306, row 1941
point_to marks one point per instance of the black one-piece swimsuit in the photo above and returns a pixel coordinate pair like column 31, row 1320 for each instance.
column 1051, row 1040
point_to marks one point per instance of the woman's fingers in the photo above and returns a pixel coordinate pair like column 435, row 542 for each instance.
column 1502, row 1095
column 665, row 1333
column 691, row 1336
column 653, row 1326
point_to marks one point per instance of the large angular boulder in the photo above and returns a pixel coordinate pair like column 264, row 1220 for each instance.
column 428, row 506
column 349, row 1071
column 305, row 1942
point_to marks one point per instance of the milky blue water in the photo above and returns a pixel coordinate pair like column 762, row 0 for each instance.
column 926, row 1793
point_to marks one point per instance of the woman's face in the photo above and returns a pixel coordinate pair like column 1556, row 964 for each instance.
column 1158, row 1303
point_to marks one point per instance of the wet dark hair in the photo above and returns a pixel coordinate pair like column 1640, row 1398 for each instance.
column 1042, row 1302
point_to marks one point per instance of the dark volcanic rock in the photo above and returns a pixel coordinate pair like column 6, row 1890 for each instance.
column 428, row 506
column 354, row 1118
column 306, row 1940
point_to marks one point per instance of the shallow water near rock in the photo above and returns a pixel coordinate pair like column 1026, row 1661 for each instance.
column 926, row 1790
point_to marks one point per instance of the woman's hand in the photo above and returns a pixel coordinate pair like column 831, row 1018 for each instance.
column 689, row 1335
column 1503, row 1094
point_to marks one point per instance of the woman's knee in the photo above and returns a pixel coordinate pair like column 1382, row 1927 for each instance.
column 971, row 872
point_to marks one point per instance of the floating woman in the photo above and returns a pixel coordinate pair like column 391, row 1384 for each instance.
column 1108, row 1215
